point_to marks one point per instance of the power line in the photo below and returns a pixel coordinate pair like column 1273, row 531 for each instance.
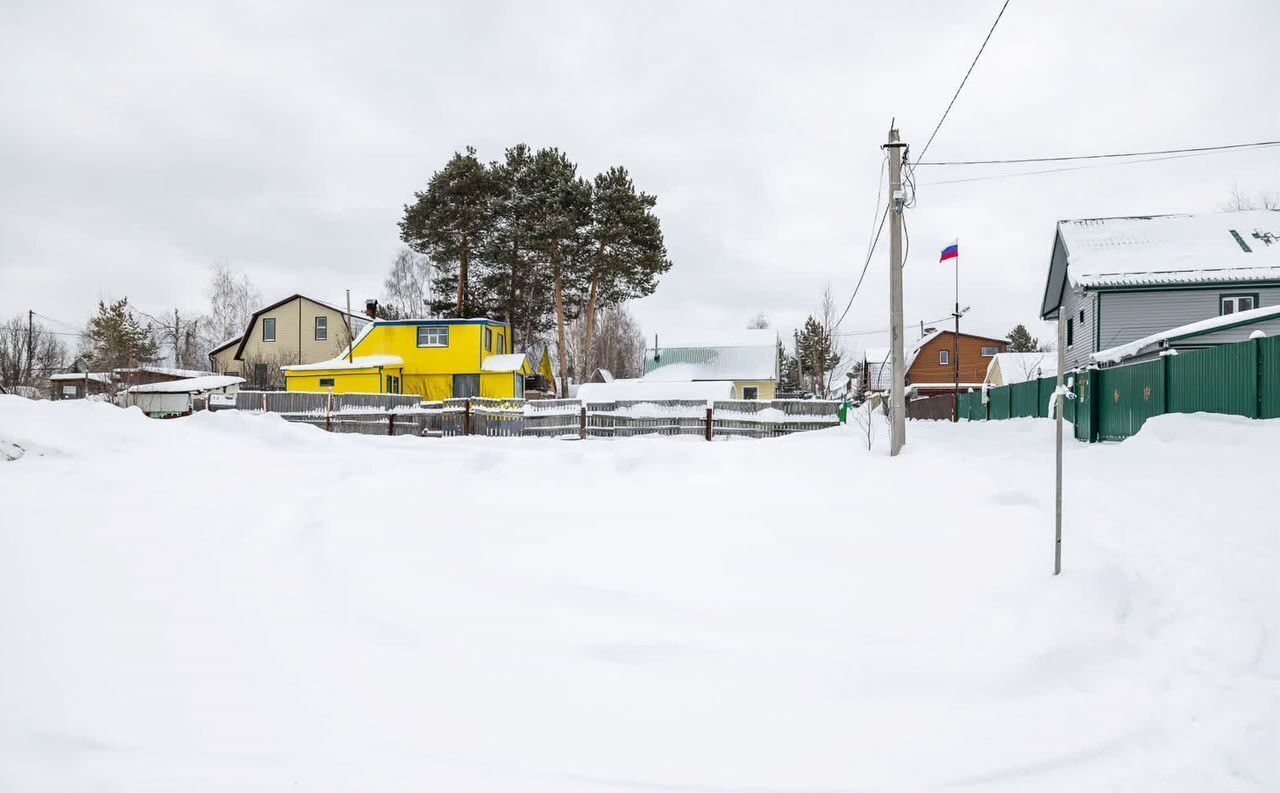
column 870, row 252
column 874, row 239
column 959, row 88
column 990, row 177
column 1115, row 155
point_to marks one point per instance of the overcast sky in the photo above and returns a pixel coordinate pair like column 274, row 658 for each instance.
column 140, row 142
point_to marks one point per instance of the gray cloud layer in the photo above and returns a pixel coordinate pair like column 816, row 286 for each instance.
column 140, row 142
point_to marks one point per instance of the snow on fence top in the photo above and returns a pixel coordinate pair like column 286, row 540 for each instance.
column 634, row 390
column 1173, row 249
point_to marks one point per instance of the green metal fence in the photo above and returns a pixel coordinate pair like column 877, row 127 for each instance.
column 1269, row 378
column 1129, row 396
column 1194, row 381
column 1241, row 379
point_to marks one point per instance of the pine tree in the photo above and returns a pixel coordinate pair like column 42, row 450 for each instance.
column 448, row 222
column 1021, row 340
column 115, row 338
column 625, row 250
column 513, row 275
column 558, row 207
column 817, row 350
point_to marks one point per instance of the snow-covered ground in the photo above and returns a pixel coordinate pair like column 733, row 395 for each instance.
column 233, row 603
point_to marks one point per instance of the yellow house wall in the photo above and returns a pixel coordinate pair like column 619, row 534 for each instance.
column 498, row 385
column 768, row 388
column 345, row 381
column 429, row 370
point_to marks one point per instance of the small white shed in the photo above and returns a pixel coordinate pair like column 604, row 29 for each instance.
column 178, row 397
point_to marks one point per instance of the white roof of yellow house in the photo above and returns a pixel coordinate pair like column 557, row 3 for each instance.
column 509, row 362
column 359, row 362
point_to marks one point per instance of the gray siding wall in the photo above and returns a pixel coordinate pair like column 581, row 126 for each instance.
column 1271, row 327
column 1075, row 302
column 1127, row 316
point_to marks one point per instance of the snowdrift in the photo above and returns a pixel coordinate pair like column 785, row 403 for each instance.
column 232, row 602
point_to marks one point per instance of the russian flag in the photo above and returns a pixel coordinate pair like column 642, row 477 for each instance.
column 952, row 251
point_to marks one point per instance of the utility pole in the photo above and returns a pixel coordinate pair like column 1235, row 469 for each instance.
column 31, row 346
column 1061, row 402
column 897, row 400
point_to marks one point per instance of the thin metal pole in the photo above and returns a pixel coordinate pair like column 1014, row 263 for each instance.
column 955, row 344
column 351, row 340
column 1057, row 493
column 897, row 398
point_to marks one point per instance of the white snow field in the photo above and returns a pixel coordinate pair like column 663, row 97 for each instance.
column 234, row 603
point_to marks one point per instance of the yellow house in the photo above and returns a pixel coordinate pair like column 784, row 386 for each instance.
column 436, row 359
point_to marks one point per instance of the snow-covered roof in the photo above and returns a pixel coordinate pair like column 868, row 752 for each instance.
column 164, row 370
column 508, row 362
column 1155, row 340
column 359, row 362
column 1173, row 249
column 880, row 368
column 744, row 355
column 642, row 389
column 225, row 344
column 191, row 385
column 1019, row 367
column 97, row 377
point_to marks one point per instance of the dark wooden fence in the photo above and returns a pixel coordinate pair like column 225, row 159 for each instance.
column 937, row 407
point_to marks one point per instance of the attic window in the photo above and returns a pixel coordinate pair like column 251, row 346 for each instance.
column 944, row 357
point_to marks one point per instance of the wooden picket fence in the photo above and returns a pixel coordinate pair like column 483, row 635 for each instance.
column 398, row 414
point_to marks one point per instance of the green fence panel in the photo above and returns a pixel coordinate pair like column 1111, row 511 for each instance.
column 1083, row 410
column 978, row 408
column 1268, row 377
column 964, row 408
column 1129, row 395
column 1044, row 390
column 999, row 402
column 1023, row 398
column 1219, row 380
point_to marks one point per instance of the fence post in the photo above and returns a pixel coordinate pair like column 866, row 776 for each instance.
column 582, row 422
column 264, row 402
column 1256, row 345
column 328, row 413
column 709, row 409
column 391, row 423
column 466, row 417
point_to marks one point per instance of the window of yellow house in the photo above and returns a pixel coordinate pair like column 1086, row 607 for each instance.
column 488, row 339
column 433, row 335
column 326, row 382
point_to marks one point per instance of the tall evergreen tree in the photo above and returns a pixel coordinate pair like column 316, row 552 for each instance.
column 514, row 276
column 558, row 207
column 625, row 251
column 1021, row 340
column 448, row 222
column 817, row 352
column 115, row 338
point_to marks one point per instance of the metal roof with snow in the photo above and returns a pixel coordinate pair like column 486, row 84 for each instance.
column 744, row 355
column 1163, row 250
